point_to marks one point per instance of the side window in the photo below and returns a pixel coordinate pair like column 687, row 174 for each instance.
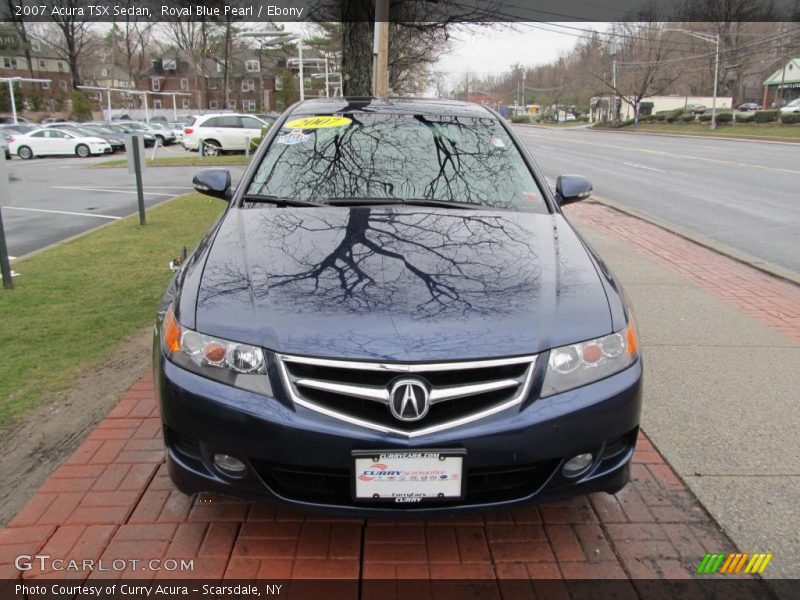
column 40, row 134
column 54, row 133
column 230, row 122
column 213, row 122
column 251, row 123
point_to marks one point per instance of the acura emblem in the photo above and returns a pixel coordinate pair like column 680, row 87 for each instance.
column 409, row 400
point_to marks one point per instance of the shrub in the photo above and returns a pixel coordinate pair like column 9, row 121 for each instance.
column 705, row 118
column 256, row 141
column 687, row 117
column 660, row 117
column 724, row 117
column 625, row 123
column 584, row 118
column 765, row 116
column 520, row 119
column 670, row 118
column 81, row 107
column 790, row 119
column 675, row 113
column 744, row 118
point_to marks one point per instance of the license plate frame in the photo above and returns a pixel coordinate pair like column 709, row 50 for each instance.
column 414, row 460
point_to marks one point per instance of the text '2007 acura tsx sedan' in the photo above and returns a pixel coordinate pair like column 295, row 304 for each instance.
column 393, row 317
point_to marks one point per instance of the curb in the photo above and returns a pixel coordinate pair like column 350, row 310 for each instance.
column 700, row 241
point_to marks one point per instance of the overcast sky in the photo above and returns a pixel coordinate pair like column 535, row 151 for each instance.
column 493, row 50
column 484, row 50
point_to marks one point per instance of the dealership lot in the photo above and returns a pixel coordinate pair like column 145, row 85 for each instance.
column 53, row 199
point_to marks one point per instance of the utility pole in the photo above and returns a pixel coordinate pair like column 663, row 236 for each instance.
column 380, row 50
column 614, row 115
column 716, row 79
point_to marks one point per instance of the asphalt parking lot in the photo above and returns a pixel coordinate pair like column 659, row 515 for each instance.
column 52, row 199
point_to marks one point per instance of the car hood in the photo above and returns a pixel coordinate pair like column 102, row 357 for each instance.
column 399, row 283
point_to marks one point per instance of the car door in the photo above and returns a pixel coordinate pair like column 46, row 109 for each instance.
column 232, row 132
column 251, row 127
column 41, row 143
column 211, row 129
column 62, row 142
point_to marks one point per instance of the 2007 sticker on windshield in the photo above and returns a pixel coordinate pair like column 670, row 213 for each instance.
column 318, row 122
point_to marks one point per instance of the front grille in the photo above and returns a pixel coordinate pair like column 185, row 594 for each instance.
column 361, row 392
column 333, row 486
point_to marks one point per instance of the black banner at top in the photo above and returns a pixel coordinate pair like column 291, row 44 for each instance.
column 445, row 11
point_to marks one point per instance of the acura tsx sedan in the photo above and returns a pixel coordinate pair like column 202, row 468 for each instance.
column 394, row 317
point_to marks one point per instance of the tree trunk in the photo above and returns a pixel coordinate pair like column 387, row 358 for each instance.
column 357, row 33
column 226, row 74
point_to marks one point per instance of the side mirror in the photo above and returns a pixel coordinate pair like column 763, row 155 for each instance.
column 572, row 188
column 213, row 182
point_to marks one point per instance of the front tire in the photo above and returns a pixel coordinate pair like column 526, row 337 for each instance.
column 83, row 151
column 25, row 153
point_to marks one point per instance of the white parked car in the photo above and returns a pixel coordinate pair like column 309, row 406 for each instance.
column 223, row 132
column 792, row 107
column 54, row 142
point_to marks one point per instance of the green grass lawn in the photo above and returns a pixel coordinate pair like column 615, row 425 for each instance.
column 744, row 130
column 73, row 303
column 182, row 161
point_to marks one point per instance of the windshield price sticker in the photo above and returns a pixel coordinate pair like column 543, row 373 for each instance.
column 293, row 137
column 318, row 122
column 408, row 477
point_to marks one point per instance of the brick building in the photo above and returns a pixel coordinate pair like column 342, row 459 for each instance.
column 45, row 64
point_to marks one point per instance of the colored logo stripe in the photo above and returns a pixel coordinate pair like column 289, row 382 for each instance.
column 734, row 562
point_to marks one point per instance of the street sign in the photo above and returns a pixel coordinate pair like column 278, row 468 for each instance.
column 131, row 155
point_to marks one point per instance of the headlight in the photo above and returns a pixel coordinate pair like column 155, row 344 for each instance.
column 239, row 365
column 576, row 365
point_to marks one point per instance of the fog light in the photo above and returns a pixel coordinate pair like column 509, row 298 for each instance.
column 229, row 465
column 577, row 464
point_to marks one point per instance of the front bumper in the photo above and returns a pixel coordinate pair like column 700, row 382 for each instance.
column 300, row 458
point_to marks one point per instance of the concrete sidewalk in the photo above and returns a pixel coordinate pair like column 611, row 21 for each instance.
column 718, row 406
column 722, row 376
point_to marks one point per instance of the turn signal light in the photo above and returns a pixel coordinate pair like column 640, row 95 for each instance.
column 172, row 332
column 632, row 338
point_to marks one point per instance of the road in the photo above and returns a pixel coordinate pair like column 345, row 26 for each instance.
column 740, row 194
column 52, row 199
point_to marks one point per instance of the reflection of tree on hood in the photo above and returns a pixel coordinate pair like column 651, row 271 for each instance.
column 467, row 263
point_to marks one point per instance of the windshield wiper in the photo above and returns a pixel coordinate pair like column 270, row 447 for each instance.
column 265, row 199
column 404, row 201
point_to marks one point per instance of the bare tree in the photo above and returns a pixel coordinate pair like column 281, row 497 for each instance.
column 77, row 37
column 133, row 37
column 193, row 38
column 643, row 67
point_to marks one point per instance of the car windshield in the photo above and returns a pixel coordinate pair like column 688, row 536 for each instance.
column 795, row 102
column 400, row 157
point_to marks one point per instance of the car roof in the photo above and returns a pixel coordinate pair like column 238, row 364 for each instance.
column 412, row 106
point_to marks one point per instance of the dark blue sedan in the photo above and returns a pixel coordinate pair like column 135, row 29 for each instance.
column 394, row 317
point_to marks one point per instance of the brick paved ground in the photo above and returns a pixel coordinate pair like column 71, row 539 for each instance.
column 113, row 499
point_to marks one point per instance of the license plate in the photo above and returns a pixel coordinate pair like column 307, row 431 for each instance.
column 408, row 477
